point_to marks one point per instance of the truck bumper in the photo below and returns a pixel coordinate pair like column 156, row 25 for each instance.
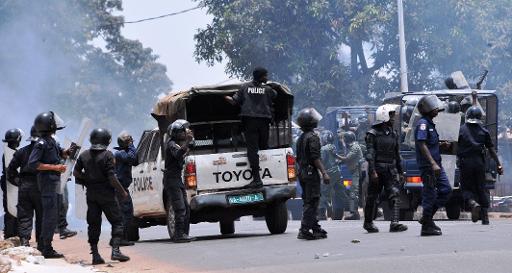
column 220, row 199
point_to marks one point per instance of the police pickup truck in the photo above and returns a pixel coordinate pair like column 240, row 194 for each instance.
column 217, row 171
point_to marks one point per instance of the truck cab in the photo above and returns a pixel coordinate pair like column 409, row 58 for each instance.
column 216, row 171
column 447, row 125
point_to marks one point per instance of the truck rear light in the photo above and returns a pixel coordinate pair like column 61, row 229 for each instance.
column 414, row 179
column 290, row 162
column 347, row 183
column 190, row 175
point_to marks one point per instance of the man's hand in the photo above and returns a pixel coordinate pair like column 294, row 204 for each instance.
column 60, row 168
column 436, row 169
column 326, row 178
column 374, row 176
column 190, row 135
column 500, row 170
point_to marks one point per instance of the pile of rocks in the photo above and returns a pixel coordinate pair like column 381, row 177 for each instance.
column 11, row 251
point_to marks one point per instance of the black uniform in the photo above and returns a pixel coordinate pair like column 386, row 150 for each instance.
column 126, row 158
column 47, row 151
column 174, row 187
column 95, row 168
column 383, row 156
column 10, row 222
column 308, row 150
column 473, row 140
column 255, row 100
column 29, row 195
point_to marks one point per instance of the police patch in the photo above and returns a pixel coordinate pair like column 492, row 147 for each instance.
column 423, row 127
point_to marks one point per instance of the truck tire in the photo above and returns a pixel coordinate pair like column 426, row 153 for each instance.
column 337, row 214
column 277, row 218
column 453, row 211
column 133, row 230
column 170, row 221
column 227, row 227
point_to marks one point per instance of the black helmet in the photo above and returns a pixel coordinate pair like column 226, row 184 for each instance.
column 474, row 115
column 453, row 107
column 308, row 118
column 176, row 127
column 349, row 137
column 466, row 103
column 13, row 136
column 327, row 137
column 34, row 135
column 48, row 122
column 124, row 139
column 100, row 139
column 429, row 103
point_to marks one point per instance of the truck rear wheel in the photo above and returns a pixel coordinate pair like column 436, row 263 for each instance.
column 453, row 211
column 277, row 218
column 171, row 223
column 133, row 230
column 227, row 227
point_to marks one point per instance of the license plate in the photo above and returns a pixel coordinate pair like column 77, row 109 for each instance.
column 245, row 198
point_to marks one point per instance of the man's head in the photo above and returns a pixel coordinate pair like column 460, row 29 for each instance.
column 308, row 119
column 13, row 138
column 349, row 137
column 430, row 106
column 100, row 138
column 48, row 123
column 177, row 131
column 385, row 114
column 124, row 140
column 260, row 74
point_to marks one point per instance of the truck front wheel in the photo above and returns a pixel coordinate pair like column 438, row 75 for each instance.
column 453, row 211
column 277, row 218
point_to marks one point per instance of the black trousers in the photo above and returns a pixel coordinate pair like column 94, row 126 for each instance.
column 10, row 221
column 472, row 177
column 63, row 204
column 387, row 181
column 256, row 137
column 126, row 207
column 48, row 184
column 178, row 196
column 29, row 203
column 310, row 183
column 98, row 202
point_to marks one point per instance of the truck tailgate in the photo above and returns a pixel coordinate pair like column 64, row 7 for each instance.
column 231, row 170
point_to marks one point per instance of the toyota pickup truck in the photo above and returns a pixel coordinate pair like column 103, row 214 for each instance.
column 216, row 170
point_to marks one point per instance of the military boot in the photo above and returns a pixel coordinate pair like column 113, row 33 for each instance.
column 50, row 253
column 256, row 182
column 485, row 216
column 319, row 233
column 116, row 252
column 395, row 218
column 25, row 241
column 96, row 257
column 66, row 233
column 475, row 210
column 370, row 227
column 421, row 221
column 305, row 235
column 428, row 227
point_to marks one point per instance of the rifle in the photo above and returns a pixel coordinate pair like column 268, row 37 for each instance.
column 481, row 79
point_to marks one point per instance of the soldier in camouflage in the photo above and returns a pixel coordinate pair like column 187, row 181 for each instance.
column 353, row 160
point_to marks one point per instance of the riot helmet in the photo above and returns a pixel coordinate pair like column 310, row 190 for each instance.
column 474, row 115
column 34, row 135
column 124, row 140
column 382, row 114
column 453, row 107
column 100, row 139
column 429, row 103
column 13, row 137
column 48, row 123
column 308, row 118
column 349, row 137
column 466, row 103
column 176, row 127
column 327, row 137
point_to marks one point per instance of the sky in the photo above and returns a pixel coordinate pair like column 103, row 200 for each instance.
column 172, row 38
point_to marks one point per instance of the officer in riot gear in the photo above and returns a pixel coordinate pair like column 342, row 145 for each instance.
column 436, row 187
column 126, row 158
column 453, row 107
column 385, row 168
column 29, row 196
column 45, row 159
column 95, row 169
column 474, row 141
column 353, row 160
column 332, row 194
column 310, row 164
column 12, row 138
column 177, row 148
column 256, row 101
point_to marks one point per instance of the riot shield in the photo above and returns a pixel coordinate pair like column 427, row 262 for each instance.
column 12, row 190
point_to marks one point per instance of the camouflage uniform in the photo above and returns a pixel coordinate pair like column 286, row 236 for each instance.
column 333, row 194
column 353, row 160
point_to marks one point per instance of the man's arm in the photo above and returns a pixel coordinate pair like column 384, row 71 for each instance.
column 34, row 161
column 370, row 154
column 492, row 152
column 398, row 157
column 426, row 153
column 78, row 172
column 127, row 156
column 314, row 152
column 12, row 169
column 111, row 174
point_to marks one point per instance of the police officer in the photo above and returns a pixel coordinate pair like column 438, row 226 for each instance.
column 126, row 158
column 385, row 168
column 45, row 158
column 310, row 164
column 95, row 169
column 332, row 194
column 177, row 148
column 436, row 187
column 353, row 160
column 255, row 99
column 474, row 139
column 29, row 196
column 12, row 138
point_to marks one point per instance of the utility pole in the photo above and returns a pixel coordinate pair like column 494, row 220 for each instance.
column 404, row 86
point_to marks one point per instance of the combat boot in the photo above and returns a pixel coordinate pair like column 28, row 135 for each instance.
column 397, row 227
column 435, row 226
column 319, row 233
column 428, row 227
column 24, row 241
column 370, row 227
column 475, row 210
column 116, row 252
column 485, row 216
column 305, row 235
column 50, row 253
column 96, row 257
column 182, row 237
column 256, row 182
column 66, row 233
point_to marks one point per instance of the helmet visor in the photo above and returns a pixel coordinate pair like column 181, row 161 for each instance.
column 59, row 123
